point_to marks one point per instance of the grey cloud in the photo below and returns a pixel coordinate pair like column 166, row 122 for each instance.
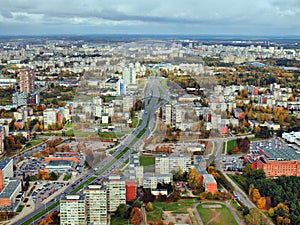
column 156, row 15
column 7, row 15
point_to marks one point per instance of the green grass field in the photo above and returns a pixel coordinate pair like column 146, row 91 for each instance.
column 176, row 207
column 216, row 216
column 33, row 142
column 231, row 144
column 147, row 160
column 118, row 221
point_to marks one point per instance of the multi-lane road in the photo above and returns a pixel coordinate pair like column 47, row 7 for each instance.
column 155, row 96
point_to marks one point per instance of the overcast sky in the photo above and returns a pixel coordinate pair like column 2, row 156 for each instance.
column 232, row 17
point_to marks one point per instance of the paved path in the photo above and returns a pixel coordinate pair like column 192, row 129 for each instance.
column 200, row 222
column 235, row 215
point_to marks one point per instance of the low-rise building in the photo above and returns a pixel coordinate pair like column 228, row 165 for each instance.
column 274, row 168
column 209, row 183
column 6, row 170
column 9, row 193
column 59, row 166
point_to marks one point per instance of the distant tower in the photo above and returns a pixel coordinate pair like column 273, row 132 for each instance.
column 26, row 80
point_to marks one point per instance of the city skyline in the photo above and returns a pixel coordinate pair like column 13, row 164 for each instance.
column 271, row 17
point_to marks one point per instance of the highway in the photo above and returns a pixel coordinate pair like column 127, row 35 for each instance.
column 156, row 98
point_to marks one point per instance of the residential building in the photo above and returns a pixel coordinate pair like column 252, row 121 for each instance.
column 130, row 191
column 209, row 183
column 72, row 210
column 152, row 179
column 96, row 204
column 20, row 98
column 9, row 193
column 116, row 192
column 171, row 163
column 26, row 80
column 129, row 75
column 6, row 170
column 2, row 135
column 49, row 116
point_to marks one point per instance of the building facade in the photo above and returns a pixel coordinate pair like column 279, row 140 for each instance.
column 26, row 80
column 6, row 170
column 96, row 204
column 171, row 163
column 72, row 210
column 274, row 168
column 116, row 192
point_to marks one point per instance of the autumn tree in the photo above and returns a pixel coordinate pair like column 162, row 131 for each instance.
column 261, row 203
column 136, row 216
column 149, row 207
column 193, row 178
column 255, row 195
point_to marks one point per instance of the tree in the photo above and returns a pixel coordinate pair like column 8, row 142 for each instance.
column 255, row 195
column 149, row 207
column 136, row 216
column 261, row 203
column 193, row 178
column 246, row 211
column 255, row 218
column 136, row 203
column 179, row 175
column 122, row 211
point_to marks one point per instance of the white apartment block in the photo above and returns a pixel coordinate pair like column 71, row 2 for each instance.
column 96, row 204
column 72, row 210
column 151, row 179
column 171, row 163
column 116, row 188
column 6, row 171
column 49, row 116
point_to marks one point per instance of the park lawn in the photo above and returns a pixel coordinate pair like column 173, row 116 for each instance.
column 231, row 144
column 147, row 160
column 220, row 215
column 176, row 207
column 136, row 122
column 68, row 126
column 33, row 142
column 118, row 221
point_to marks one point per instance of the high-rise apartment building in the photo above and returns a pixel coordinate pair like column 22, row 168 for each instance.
column 49, row 116
column 96, row 204
column 129, row 75
column 72, row 210
column 116, row 192
column 26, row 80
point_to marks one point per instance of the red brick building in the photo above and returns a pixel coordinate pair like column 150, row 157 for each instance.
column 130, row 190
column 274, row 168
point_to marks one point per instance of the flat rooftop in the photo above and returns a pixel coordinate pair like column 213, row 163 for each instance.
column 275, row 149
column 10, row 188
column 208, row 178
column 60, row 163
column 4, row 162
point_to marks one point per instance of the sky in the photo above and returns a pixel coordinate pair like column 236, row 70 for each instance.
column 185, row 17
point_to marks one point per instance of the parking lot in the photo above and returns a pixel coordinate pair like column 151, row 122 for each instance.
column 233, row 163
column 45, row 191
